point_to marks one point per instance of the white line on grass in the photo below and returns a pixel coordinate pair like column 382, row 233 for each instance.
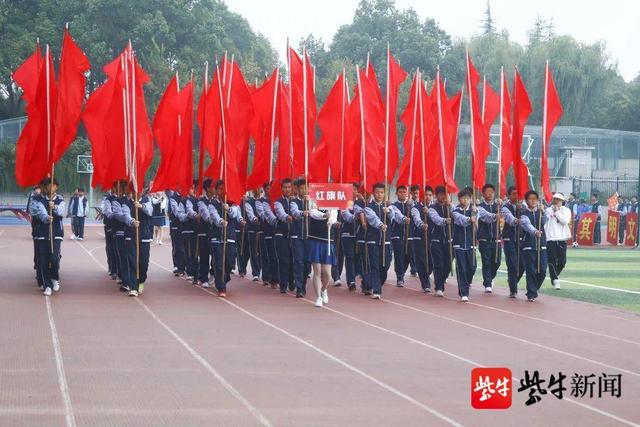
column 70, row 419
column 606, row 288
column 232, row 390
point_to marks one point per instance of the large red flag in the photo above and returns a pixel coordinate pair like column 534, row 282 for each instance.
column 490, row 110
column 395, row 76
column 446, row 135
column 505, row 152
column 552, row 111
column 71, row 89
column 93, row 118
column 333, row 123
column 479, row 139
column 521, row 111
column 284, row 163
column 455, row 105
column 303, row 111
column 34, row 150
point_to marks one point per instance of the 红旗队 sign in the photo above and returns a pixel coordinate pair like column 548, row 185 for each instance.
column 331, row 196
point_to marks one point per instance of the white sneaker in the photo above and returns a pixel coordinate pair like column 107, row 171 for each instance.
column 325, row 297
column 464, row 299
column 318, row 302
column 133, row 293
column 80, row 238
column 73, row 237
column 46, row 292
column 488, row 290
column 56, row 285
column 439, row 293
column 337, row 283
column 556, row 284
column 206, row 285
column 255, row 279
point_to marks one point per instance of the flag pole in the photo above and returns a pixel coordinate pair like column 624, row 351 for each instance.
column 422, row 156
column 473, row 156
column 544, row 148
column 306, row 136
column 49, row 147
column 386, row 162
column 224, row 174
column 205, row 88
column 342, row 122
column 498, row 213
column 417, row 82
column 363, row 158
column 273, row 124
column 134, row 158
column 290, row 96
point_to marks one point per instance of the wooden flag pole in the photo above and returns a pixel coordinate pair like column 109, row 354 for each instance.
column 363, row 158
column 49, row 146
column 224, row 172
column 134, row 156
column 544, row 147
column 474, row 226
column 498, row 216
column 422, row 158
column 290, row 96
column 306, row 136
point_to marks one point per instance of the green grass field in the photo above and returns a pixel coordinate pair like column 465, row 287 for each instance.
column 612, row 268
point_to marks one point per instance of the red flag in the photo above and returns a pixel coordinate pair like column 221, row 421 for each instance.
column 505, row 154
column 303, row 111
column 521, row 112
column 395, row 76
column 333, row 122
column 552, row 111
column 412, row 136
column 34, row 149
column 71, row 88
column 446, row 135
column 284, row 163
column 93, row 118
column 455, row 105
column 490, row 110
column 479, row 139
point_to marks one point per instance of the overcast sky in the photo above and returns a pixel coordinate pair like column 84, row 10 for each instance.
column 615, row 21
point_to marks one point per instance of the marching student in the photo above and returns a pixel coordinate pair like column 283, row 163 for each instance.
column 321, row 250
column 253, row 234
column 414, row 191
column 348, row 242
column 282, row 208
column 439, row 221
column 420, row 239
column 137, row 252
column 534, row 244
column 557, row 232
column 301, row 267
column 242, row 241
column 380, row 219
column 175, row 232
column 34, row 192
column 159, row 203
column 512, row 240
column 226, row 218
column 205, row 261
column 360, row 225
column 78, row 211
column 47, row 211
column 118, row 227
column 465, row 215
column 487, row 236
column 189, row 233
column 269, row 220
column 400, row 235
column 109, row 234
column 336, row 269
column 595, row 208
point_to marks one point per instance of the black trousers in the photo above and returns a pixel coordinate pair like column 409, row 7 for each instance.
column 269, row 260
column 48, row 263
column 203, row 251
column 122, row 257
column 535, row 277
column 336, row 269
column 253, row 239
column 413, row 266
column 441, row 257
column 378, row 267
column 77, row 224
column 283, row 255
column 137, row 269
column 490, row 262
column 621, row 229
column 400, row 257
column 597, row 233
column 557, row 257
column 191, row 258
column 222, row 276
column 243, row 255
column 515, row 265
column 348, row 255
column 110, row 249
column 362, row 264
column 177, row 250
column 301, row 268
column 424, row 263
column 465, row 269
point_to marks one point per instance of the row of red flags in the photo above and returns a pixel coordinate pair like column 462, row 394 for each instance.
column 358, row 137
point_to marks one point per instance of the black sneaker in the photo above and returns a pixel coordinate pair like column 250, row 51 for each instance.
column 512, row 295
column 299, row 294
column 124, row 288
column 352, row 287
column 283, row 291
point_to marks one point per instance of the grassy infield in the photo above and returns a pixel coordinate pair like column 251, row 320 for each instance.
column 603, row 267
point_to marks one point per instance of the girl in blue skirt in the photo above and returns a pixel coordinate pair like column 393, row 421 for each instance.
column 321, row 250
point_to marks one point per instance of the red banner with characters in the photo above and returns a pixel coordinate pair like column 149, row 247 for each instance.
column 331, row 196
column 586, row 227
column 631, row 230
column 613, row 225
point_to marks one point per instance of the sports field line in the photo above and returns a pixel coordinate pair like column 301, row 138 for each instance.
column 589, row 285
column 69, row 418
column 232, row 390
column 537, row 319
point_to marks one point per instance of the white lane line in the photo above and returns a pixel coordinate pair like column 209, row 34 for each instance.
column 98, row 247
column 539, row 319
column 69, row 418
column 589, row 285
column 232, row 390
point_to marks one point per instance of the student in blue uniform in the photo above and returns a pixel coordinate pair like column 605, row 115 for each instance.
column 301, row 267
column 400, row 235
column 487, row 236
column 380, row 221
column 512, row 240
column 47, row 211
column 439, row 221
column 204, row 233
column 270, row 273
column 242, row 241
column 347, row 237
column 189, row 233
column 420, row 238
column 357, row 218
column 137, row 255
column 414, row 192
column 595, row 208
column 78, row 211
column 109, row 235
column 465, row 215
column 119, row 226
column 227, row 218
column 253, row 235
column 175, row 232
column 534, row 244
column 282, row 243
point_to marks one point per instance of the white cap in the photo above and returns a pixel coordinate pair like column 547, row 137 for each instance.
column 558, row 196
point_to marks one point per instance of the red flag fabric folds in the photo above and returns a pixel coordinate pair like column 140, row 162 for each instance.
column 395, row 77
column 552, row 111
column 333, row 122
column 479, row 138
column 506, row 151
column 521, row 111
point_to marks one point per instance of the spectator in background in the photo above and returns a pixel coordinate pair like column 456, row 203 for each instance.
column 159, row 203
column 557, row 231
column 78, row 212
column 622, row 208
column 35, row 192
column 579, row 209
column 595, row 208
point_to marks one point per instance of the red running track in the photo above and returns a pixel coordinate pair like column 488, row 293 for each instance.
column 179, row 356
